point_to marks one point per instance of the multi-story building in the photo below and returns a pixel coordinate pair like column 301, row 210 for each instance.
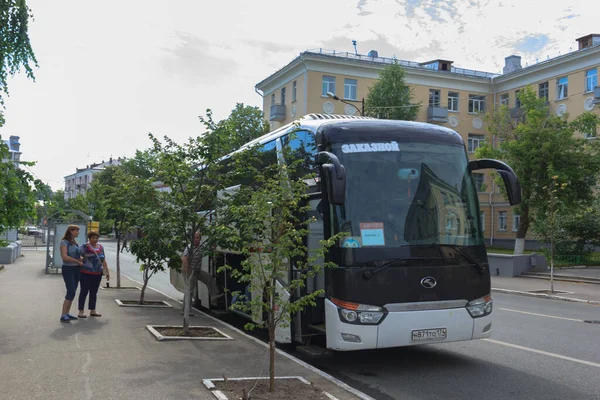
column 451, row 96
column 79, row 182
column 14, row 149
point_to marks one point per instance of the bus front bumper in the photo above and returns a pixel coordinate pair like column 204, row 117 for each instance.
column 405, row 328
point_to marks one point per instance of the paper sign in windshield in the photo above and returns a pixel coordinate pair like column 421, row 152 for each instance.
column 372, row 234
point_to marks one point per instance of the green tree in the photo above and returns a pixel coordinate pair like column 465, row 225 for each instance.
column 193, row 174
column 56, row 203
column 390, row 97
column 121, row 191
column 18, row 191
column 539, row 147
column 157, row 247
column 15, row 48
column 268, row 226
column 244, row 124
column 577, row 229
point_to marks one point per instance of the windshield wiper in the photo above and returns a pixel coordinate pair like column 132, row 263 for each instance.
column 463, row 252
column 369, row 274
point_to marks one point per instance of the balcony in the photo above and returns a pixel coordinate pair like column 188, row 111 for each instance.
column 516, row 113
column 597, row 95
column 437, row 114
column 277, row 112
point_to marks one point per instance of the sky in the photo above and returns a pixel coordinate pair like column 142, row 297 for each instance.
column 110, row 72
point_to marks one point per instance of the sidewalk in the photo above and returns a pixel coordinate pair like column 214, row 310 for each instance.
column 115, row 356
column 536, row 287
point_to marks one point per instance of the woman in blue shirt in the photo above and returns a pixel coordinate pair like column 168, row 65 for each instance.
column 71, row 269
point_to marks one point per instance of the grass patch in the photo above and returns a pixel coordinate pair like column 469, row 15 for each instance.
column 501, row 250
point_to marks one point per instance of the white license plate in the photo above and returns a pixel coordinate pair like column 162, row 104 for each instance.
column 429, row 334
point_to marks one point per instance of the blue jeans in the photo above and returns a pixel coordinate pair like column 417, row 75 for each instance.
column 89, row 283
column 71, row 276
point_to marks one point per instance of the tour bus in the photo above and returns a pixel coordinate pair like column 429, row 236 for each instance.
column 413, row 267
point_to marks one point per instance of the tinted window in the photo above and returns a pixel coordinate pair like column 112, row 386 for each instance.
column 300, row 146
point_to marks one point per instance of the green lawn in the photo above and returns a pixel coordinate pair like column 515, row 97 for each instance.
column 500, row 250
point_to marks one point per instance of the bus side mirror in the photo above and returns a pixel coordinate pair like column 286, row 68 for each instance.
column 334, row 176
column 510, row 179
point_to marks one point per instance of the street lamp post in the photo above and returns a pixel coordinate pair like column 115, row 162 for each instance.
column 334, row 97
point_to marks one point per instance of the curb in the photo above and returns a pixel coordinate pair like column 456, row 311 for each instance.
column 546, row 296
column 317, row 371
column 565, row 278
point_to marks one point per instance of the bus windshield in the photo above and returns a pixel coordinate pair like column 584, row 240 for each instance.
column 406, row 193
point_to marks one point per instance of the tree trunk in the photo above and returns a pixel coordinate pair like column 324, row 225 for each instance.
column 272, row 336
column 522, row 231
column 118, row 259
column 271, row 353
column 146, row 278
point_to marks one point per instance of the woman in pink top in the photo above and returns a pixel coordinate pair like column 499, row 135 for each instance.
column 94, row 263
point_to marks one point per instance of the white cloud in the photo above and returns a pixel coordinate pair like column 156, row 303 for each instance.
column 112, row 71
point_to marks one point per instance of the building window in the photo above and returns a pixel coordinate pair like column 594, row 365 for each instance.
column 476, row 103
column 562, row 88
column 434, row 98
column 504, row 99
column 516, row 222
column 453, row 101
column 501, row 220
column 478, row 179
column 350, row 89
column 272, row 98
column 591, row 134
column 328, row 84
column 482, row 220
column 294, row 91
column 474, row 142
column 452, row 224
column 282, row 95
column 445, row 198
column 591, row 79
column 543, row 91
column 517, row 99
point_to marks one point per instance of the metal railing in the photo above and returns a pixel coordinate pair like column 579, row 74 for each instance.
column 577, row 259
column 404, row 63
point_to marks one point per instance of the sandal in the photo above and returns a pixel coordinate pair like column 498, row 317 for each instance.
column 82, row 316
column 71, row 316
column 95, row 315
column 64, row 318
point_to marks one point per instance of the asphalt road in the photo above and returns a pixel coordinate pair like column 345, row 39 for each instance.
column 540, row 349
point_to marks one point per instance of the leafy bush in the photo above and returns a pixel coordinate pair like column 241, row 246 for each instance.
column 577, row 231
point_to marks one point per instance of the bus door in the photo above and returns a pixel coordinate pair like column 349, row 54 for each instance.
column 312, row 318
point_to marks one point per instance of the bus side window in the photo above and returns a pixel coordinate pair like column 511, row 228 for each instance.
column 302, row 146
column 268, row 154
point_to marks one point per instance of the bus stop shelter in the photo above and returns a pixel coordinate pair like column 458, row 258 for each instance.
column 57, row 226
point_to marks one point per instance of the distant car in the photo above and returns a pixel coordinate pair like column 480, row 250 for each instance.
column 33, row 230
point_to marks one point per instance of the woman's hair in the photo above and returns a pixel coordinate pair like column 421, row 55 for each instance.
column 91, row 234
column 69, row 234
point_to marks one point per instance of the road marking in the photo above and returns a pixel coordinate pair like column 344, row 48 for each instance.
column 541, row 315
column 545, row 353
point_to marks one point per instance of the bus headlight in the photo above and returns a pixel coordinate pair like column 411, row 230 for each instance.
column 361, row 314
column 370, row 317
column 348, row 315
column 480, row 307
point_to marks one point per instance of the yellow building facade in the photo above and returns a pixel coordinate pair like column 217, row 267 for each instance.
column 454, row 97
